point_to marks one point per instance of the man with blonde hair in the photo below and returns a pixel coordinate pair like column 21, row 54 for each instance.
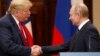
column 86, row 39
column 13, row 40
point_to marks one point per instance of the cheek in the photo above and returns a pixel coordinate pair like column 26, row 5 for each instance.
column 72, row 19
column 25, row 15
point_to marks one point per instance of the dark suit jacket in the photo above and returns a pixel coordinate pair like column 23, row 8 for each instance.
column 10, row 38
column 87, row 39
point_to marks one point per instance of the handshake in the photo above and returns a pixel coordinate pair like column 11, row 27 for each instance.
column 36, row 50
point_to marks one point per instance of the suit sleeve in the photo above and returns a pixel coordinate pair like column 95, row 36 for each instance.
column 55, row 49
column 8, row 46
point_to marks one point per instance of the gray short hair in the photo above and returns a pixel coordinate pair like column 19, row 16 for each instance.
column 81, row 9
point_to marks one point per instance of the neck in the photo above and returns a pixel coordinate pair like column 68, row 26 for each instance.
column 82, row 20
column 17, row 17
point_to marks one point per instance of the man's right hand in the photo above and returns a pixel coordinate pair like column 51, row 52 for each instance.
column 36, row 50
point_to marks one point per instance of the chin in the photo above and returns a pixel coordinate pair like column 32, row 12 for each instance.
column 73, row 23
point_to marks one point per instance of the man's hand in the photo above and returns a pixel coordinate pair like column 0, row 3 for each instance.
column 36, row 50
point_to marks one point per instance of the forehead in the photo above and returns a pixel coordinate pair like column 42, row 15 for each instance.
column 25, row 8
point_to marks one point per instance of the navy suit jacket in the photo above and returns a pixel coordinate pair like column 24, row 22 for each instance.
column 85, row 40
column 11, row 43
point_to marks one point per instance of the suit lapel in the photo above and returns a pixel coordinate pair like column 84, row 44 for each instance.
column 14, row 26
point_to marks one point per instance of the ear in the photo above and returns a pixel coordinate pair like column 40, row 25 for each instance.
column 78, row 14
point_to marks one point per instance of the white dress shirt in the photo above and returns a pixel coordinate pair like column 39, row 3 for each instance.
column 82, row 24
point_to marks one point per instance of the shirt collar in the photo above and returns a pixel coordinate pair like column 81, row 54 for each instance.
column 83, row 23
column 15, row 20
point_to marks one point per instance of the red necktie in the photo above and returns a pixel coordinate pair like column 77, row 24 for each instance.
column 26, row 36
column 29, row 36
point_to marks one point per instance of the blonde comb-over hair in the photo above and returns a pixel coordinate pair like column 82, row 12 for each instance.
column 19, row 5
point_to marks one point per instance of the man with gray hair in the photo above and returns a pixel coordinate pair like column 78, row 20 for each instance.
column 13, row 40
column 86, row 39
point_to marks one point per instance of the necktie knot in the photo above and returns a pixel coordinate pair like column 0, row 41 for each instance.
column 20, row 24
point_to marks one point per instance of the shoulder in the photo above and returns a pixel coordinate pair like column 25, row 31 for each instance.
column 92, row 29
column 89, row 28
column 5, row 20
column 92, row 32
